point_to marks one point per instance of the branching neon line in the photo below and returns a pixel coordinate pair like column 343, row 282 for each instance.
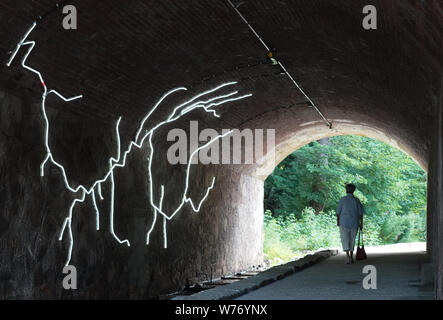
column 184, row 198
column 155, row 215
column 165, row 237
column 97, row 213
column 119, row 161
column 99, row 190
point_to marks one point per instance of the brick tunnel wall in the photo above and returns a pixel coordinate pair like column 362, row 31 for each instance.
column 435, row 197
column 224, row 237
column 384, row 80
column 438, row 225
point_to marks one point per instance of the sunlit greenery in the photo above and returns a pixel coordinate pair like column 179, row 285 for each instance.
column 302, row 193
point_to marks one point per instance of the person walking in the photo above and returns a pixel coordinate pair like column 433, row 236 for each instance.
column 349, row 218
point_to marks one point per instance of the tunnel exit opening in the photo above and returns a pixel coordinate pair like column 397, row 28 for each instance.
column 302, row 192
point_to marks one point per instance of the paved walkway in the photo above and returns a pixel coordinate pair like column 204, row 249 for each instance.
column 398, row 277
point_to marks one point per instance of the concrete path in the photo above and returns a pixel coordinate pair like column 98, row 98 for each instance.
column 398, row 277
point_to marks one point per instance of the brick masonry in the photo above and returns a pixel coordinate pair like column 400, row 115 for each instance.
column 382, row 83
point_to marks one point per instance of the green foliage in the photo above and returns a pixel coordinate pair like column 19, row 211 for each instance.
column 391, row 186
column 402, row 228
column 286, row 237
column 387, row 180
column 274, row 247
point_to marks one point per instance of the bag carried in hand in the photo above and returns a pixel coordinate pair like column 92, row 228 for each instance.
column 361, row 253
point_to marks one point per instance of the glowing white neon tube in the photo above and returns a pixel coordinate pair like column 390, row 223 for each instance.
column 120, row 160
column 20, row 44
column 97, row 213
column 99, row 189
column 155, row 215
column 165, row 236
column 184, row 198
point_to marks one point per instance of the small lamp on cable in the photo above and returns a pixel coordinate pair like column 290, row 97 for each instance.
column 271, row 58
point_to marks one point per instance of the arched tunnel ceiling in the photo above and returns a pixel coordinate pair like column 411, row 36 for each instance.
column 123, row 57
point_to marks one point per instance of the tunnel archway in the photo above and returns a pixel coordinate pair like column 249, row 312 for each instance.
column 295, row 136
column 385, row 84
column 313, row 131
column 302, row 193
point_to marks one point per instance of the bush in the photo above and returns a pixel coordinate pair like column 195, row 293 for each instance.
column 402, row 228
column 371, row 232
column 275, row 249
column 287, row 237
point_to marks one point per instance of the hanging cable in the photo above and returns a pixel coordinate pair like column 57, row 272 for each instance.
column 47, row 13
column 328, row 123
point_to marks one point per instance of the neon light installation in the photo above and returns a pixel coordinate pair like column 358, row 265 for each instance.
column 144, row 137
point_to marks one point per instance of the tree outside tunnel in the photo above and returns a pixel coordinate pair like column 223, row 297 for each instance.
column 302, row 193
